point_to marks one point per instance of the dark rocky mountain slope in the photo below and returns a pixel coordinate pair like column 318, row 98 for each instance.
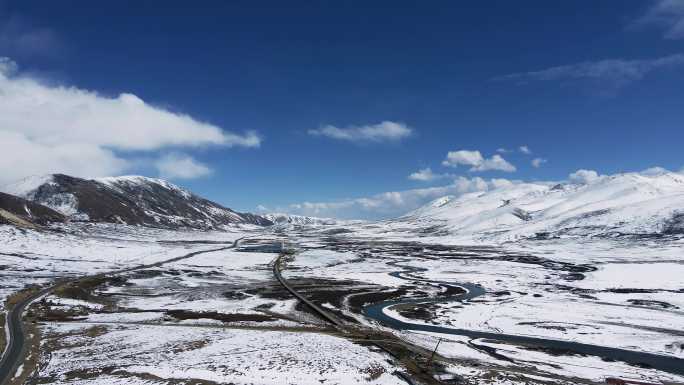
column 19, row 211
column 133, row 200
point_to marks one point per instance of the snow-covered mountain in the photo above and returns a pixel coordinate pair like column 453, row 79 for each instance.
column 19, row 211
column 281, row 218
column 630, row 203
column 134, row 200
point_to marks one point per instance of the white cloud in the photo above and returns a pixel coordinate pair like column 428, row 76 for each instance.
column 614, row 73
column 394, row 203
column 477, row 162
column 496, row 162
column 22, row 156
column 383, row 132
column 584, row 176
column 537, row 162
column 502, row 150
column 463, row 157
column 262, row 208
column 426, row 175
column 525, row 150
column 667, row 14
column 180, row 166
column 46, row 129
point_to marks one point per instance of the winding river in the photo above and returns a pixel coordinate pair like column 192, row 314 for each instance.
column 376, row 311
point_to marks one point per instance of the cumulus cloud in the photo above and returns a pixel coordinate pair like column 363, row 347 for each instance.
column 383, row 132
column 537, row 162
column 525, row 150
column 614, row 73
column 180, row 166
column 394, row 203
column 46, row 129
column 583, row 176
column 463, row 157
column 426, row 175
column 502, row 150
column 496, row 162
column 668, row 15
column 477, row 162
column 23, row 156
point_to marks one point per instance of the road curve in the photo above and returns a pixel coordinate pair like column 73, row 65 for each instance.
column 322, row 313
column 15, row 351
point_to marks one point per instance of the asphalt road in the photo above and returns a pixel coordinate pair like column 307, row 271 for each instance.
column 322, row 313
column 15, row 349
column 329, row 317
column 16, row 345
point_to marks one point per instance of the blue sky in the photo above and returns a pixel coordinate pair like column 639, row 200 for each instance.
column 276, row 104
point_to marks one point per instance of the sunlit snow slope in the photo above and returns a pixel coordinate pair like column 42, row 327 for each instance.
column 630, row 203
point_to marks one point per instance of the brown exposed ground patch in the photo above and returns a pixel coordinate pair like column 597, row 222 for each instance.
column 424, row 312
column 189, row 345
column 223, row 317
column 84, row 289
column 19, row 296
column 374, row 371
column 95, row 331
column 358, row 301
column 45, row 311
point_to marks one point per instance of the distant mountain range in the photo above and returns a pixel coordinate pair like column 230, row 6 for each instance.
column 132, row 200
column 622, row 204
column 281, row 218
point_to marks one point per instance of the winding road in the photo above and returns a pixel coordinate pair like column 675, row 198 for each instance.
column 15, row 352
column 15, row 349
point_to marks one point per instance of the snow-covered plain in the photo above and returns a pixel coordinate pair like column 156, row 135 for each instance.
column 36, row 257
column 154, row 354
column 619, row 292
column 210, row 282
column 126, row 331
column 598, row 263
column 622, row 304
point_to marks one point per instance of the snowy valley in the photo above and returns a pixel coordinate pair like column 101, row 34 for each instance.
column 133, row 280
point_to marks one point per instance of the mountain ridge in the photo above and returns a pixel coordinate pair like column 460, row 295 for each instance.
column 628, row 203
column 132, row 200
